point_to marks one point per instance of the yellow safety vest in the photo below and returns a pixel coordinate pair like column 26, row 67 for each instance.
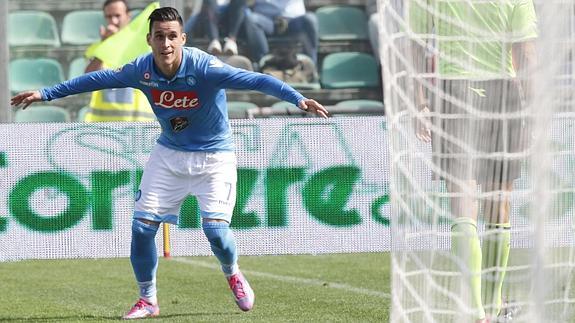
column 125, row 104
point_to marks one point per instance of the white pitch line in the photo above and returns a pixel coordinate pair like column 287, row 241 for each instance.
column 291, row 279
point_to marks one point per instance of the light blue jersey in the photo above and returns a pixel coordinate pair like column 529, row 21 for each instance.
column 191, row 107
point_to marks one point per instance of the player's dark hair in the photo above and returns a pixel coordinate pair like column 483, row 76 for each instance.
column 108, row 2
column 165, row 14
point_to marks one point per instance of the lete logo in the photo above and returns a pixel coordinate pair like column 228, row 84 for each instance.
column 175, row 99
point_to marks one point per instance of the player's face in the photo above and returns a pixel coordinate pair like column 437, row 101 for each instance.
column 117, row 14
column 166, row 39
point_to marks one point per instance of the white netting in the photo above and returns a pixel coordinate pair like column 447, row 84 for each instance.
column 497, row 78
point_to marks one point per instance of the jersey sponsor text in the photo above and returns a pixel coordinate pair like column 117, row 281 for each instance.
column 178, row 100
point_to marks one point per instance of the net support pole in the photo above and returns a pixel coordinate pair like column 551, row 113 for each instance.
column 541, row 162
column 5, row 109
column 166, row 235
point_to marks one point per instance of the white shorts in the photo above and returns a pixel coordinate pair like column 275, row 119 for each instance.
column 170, row 176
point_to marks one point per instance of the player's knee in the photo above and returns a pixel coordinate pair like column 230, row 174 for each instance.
column 217, row 239
column 218, row 234
column 464, row 225
column 217, row 242
column 207, row 220
column 144, row 228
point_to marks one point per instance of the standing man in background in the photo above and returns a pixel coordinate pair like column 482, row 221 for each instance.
column 125, row 104
column 484, row 53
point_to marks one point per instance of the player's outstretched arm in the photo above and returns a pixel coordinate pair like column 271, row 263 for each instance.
column 24, row 99
column 313, row 106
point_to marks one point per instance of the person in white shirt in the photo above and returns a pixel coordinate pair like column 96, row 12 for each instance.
column 283, row 18
column 215, row 14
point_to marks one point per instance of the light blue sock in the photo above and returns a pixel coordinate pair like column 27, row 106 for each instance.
column 223, row 245
column 144, row 258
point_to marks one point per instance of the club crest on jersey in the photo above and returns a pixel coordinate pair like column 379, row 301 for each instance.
column 179, row 100
column 147, row 75
column 191, row 81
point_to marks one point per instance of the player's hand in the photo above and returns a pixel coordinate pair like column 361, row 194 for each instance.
column 422, row 125
column 312, row 106
column 108, row 31
column 24, row 99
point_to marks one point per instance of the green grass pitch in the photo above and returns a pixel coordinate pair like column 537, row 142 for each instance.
column 295, row 288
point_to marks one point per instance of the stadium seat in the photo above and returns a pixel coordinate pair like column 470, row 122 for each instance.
column 32, row 28
column 42, row 113
column 134, row 13
column 238, row 110
column 307, row 64
column 342, row 23
column 81, row 115
column 361, row 107
column 27, row 74
column 82, row 27
column 77, row 67
column 292, row 110
column 349, row 70
column 238, row 61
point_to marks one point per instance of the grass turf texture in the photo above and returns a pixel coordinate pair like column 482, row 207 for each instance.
column 302, row 288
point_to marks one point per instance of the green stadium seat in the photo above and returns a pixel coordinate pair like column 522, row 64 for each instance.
column 238, row 110
column 342, row 23
column 81, row 115
column 349, row 70
column 42, row 113
column 238, row 61
column 32, row 28
column 292, row 110
column 361, row 107
column 82, row 27
column 306, row 63
column 134, row 13
column 77, row 67
column 28, row 74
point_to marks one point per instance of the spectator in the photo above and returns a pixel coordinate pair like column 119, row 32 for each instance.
column 214, row 14
column 285, row 18
column 126, row 104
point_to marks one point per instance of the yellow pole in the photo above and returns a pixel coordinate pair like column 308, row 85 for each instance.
column 166, row 234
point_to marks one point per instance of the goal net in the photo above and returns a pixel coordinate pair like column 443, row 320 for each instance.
column 478, row 98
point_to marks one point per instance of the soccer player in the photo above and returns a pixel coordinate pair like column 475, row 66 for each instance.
column 194, row 154
column 483, row 51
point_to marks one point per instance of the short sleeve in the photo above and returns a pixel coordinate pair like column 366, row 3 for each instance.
column 419, row 16
column 524, row 21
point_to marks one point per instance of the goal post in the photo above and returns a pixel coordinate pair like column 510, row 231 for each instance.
column 479, row 103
